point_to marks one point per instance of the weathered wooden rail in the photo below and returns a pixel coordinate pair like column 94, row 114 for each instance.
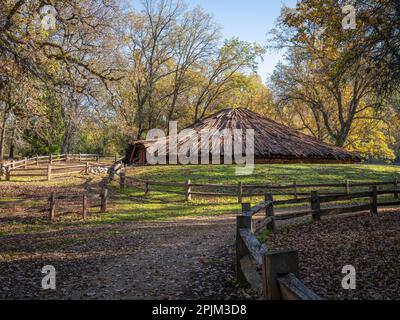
column 87, row 201
column 273, row 274
column 317, row 211
column 279, row 270
column 51, row 166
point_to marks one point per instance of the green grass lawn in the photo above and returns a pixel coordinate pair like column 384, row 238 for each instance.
column 270, row 174
column 130, row 205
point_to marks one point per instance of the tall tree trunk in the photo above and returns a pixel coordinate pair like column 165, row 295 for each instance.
column 12, row 142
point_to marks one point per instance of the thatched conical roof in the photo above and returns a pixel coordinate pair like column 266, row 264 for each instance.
column 272, row 141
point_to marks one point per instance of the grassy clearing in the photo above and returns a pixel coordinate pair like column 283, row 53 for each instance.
column 130, row 205
column 270, row 174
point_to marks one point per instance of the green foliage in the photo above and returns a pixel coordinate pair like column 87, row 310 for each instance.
column 45, row 133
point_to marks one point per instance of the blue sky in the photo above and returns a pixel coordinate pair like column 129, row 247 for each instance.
column 249, row 20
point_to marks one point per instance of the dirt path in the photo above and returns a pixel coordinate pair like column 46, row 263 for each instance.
column 185, row 259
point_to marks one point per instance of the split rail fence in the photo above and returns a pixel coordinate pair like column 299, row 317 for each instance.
column 51, row 166
column 85, row 200
column 276, row 274
column 300, row 193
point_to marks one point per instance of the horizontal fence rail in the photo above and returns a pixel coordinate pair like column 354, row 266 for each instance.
column 88, row 201
column 279, row 274
column 241, row 191
column 54, row 166
column 275, row 275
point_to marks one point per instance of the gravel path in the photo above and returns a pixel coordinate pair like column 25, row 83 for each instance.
column 184, row 259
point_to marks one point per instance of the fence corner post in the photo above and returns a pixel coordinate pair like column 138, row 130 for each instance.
column 188, row 190
column 316, row 206
column 240, row 192
column 374, row 200
column 276, row 264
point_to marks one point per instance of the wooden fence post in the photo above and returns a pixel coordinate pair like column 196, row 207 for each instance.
column 37, row 161
column 315, row 206
column 13, row 164
column 246, row 207
column 84, row 205
column 242, row 222
column 26, row 163
column 240, row 192
column 122, row 180
column 396, row 187
column 269, row 212
column 51, row 159
column 104, row 198
column 52, row 212
column 49, row 173
column 347, row 183
column 276, row 264
column 188, row 190
column 374, row 200
column 296, row 193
